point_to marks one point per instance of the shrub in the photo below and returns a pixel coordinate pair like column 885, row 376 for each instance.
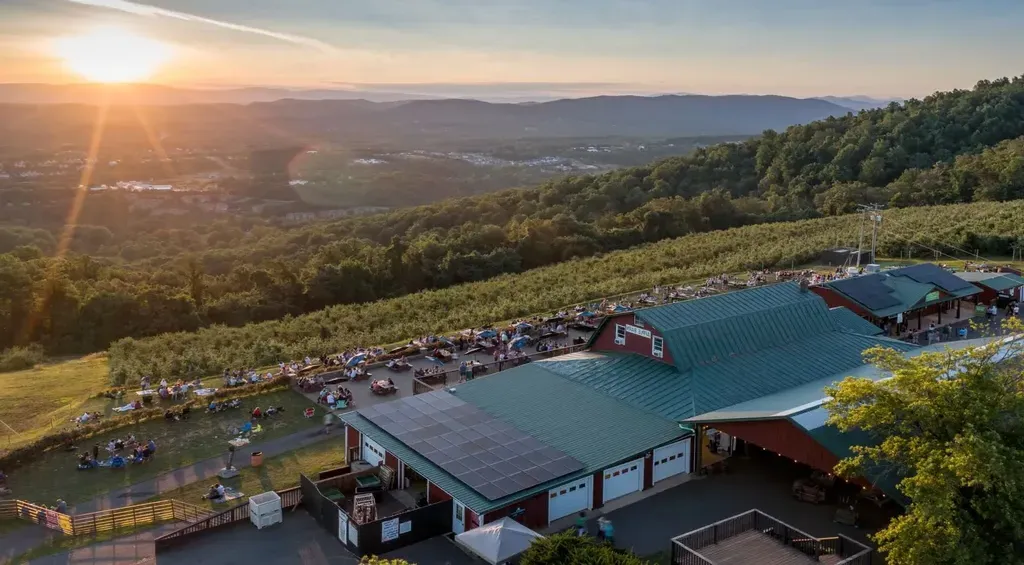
column 21, row 358
column 570, row 549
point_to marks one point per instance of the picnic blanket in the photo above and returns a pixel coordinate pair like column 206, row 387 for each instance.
column 204, row 391
column 125, row 408
column 229, row 495
column 147, row 392
column 239, row 441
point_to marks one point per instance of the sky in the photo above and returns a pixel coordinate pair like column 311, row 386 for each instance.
column 802, row 48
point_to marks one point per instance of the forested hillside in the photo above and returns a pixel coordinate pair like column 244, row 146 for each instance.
column 951, row 147
column 983, row 226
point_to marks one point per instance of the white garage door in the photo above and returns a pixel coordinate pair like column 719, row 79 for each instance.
column 672, row 460
column 569, row 498
column 373, row 453
column 623, row 479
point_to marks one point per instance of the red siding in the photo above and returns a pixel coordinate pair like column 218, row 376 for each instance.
column 472, row 520
column 352, row 441
column 534, row 512
column 605, row 341
column 782, row 437
column 648, row 470
column 835, row 300
column 391, row 461
column 435, row 494
column 598, row 482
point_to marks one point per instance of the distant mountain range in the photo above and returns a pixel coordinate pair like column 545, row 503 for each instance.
column 44, row 115
column 858, row 103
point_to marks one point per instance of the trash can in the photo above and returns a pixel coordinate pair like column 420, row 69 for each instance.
column 257, row 458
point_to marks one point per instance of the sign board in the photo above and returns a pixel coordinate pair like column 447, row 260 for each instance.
column 405, row 527
column 638, row 331
column 342, row 527
column 932, row 296
column 389, row 530
column 353, row 535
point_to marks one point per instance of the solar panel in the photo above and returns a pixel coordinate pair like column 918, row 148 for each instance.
column 933, row 274
column 868, row 290
column 490, row 456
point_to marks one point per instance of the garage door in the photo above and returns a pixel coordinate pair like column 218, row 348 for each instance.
column 569, row 498
column 672, row 460
column 373, row 453
column 623, row 479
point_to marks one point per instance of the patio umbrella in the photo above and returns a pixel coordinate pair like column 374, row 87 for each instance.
column 522, row 326
column 355, row 360
column 434, row 360
column 519, row 342
column 620, row 308
column 498, row 542
column 587, row 314
column 487, row 334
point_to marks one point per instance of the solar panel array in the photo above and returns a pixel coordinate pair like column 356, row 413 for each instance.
column 488, row 455
column 868, row 290
column 935, row 275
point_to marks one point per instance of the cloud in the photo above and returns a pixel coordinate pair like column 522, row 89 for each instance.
column 155, row 12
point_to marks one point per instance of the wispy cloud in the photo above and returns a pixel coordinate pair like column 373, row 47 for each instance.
column 155, row 12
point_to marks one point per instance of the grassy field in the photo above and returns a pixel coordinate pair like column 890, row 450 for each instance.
column 276, row 473
column 39, row 400
column 54, row 474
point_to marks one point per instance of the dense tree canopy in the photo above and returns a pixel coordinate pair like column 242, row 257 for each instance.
column 124, row 280
column 568, row 549
column 951, row 424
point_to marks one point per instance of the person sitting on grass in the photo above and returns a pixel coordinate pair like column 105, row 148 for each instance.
column 216, row 492
column 257, row 413
column 117, row 462
column 150, row 449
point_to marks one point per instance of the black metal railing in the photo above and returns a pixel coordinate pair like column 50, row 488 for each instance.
column 686, row 548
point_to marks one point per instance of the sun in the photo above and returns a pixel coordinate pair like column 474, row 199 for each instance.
column 112, row 55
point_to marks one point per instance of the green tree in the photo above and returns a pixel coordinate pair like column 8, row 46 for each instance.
column 951, row 425
column 569, row 549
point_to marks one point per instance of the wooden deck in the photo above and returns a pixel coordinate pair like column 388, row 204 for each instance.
column 753, row 547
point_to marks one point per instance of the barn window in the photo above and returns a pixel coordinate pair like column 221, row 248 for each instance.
column 658, row 347
column 620, row 334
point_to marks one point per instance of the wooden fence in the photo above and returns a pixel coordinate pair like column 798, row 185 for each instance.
column 290, row 498
column 92, row 523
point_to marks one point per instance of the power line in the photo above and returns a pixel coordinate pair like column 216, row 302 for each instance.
column 914, row 240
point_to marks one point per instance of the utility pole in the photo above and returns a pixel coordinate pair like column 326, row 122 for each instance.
column 869, row 212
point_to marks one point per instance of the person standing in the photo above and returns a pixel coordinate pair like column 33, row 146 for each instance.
column 581, row 524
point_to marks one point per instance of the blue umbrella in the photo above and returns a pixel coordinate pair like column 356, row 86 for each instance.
column 519, row 342
column 434, row 360
column 355, row 360
column 487, row 334
column 587, row 314
column 524, row 326
column 446, row 341
column 620, row 308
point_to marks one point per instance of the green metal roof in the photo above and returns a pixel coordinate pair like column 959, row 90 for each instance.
column 643, row 382
column 740, row 303
column 911, row 294
column 999, row 282
column 849, row 320
column 745, row 377
column 595, row 429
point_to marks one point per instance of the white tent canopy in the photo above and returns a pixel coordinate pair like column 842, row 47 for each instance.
column 498, row 542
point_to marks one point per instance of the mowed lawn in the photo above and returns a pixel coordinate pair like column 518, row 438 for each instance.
column 44, row 399
column 276, row 473
column 55, row 474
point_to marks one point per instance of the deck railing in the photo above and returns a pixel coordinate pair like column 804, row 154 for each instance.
column 686, row 548
column 290, row 498
column 92, row 523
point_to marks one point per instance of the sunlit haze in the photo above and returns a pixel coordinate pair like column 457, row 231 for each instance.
column 111, row 54
column 880, row 48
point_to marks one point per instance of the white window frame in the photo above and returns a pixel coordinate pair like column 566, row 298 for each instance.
column 658, row 347
column 620, row 334
column 638, row 322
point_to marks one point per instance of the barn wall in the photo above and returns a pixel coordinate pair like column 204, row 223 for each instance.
column 435, row 494
column 784, row 438
column 605, row 341
column 532, row 512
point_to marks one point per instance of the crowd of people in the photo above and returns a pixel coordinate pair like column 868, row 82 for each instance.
column 120, row 452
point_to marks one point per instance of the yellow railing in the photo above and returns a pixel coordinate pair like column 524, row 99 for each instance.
column 92, row 523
